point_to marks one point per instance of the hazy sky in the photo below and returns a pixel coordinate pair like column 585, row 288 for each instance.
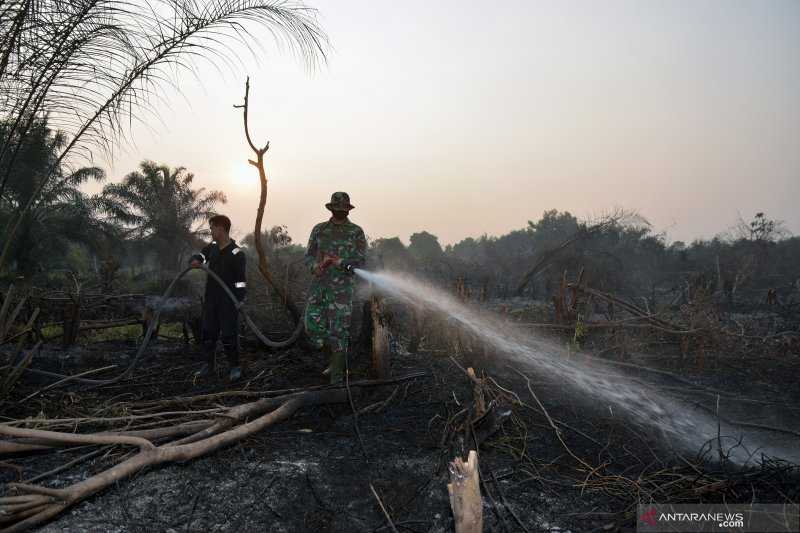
column 464, row 118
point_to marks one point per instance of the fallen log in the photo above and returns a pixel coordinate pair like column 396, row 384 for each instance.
column 33, row 505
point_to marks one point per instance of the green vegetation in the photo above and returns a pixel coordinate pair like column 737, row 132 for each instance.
column 159, row 212
column 60, row 215
column 91, row 68
column 121, row 333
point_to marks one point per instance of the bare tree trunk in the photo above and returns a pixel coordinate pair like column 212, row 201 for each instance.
column 381, row 359
column 263, row 265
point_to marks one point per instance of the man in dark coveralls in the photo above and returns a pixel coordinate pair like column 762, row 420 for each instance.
column 223, row 257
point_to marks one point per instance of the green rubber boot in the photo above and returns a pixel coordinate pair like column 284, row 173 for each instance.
column 337, row 366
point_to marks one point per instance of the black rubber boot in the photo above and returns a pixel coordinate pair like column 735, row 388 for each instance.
column 324, row 353
column 232, row 353
column 209, row 350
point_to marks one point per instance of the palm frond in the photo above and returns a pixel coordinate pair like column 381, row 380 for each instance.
column 96, row 66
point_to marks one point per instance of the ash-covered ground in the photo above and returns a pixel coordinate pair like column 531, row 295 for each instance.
column 313, row 472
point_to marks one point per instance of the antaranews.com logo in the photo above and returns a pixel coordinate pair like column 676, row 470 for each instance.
column 766, row 518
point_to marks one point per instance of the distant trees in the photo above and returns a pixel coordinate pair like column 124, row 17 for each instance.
column 425, row 247
column 619, row 252
column 554, row 225
column 278, row 236
column 760, row 229
column 391, row 253
column 277, row 243
column 160, row 211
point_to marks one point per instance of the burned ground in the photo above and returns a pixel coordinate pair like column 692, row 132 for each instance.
column 314, row 471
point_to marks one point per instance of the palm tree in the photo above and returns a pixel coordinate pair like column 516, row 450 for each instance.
column 160, row 210
column 95, row 65
column 60, row 214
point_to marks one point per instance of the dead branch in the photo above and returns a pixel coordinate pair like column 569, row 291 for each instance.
column 634, row 310
column 188, row 400
column 477, row 393
column 263, row 265
column 547, row 257
column 35, row 505
column 66, row 379
column 385, row 512
column 584, row 231
column 188, row 431
column 6, row 320
column 553, row 425
column 19, row 368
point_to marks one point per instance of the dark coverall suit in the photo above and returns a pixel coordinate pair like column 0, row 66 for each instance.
column 219, row 312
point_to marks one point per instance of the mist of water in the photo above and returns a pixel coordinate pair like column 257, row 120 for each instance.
column 686, row 430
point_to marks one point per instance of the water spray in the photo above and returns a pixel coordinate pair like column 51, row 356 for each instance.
column 678, row 425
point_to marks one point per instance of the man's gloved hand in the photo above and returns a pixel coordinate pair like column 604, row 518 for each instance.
column 327, row 261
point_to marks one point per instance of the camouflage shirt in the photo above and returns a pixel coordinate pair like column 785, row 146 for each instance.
column 330, row 297
column 347, row 241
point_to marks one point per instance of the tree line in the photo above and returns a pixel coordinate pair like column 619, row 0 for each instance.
column 620, row 253
column 156, row 216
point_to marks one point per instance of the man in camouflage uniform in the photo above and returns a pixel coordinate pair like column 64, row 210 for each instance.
column 336, row 247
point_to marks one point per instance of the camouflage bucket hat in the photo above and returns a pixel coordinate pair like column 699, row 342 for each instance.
column 340, row 201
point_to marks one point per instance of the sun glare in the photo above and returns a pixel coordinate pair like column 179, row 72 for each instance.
column 243, row 175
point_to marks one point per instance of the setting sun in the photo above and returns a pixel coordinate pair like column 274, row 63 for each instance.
column 243, row 175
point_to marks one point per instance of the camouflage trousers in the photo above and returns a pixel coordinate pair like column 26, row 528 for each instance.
column 327, row 316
